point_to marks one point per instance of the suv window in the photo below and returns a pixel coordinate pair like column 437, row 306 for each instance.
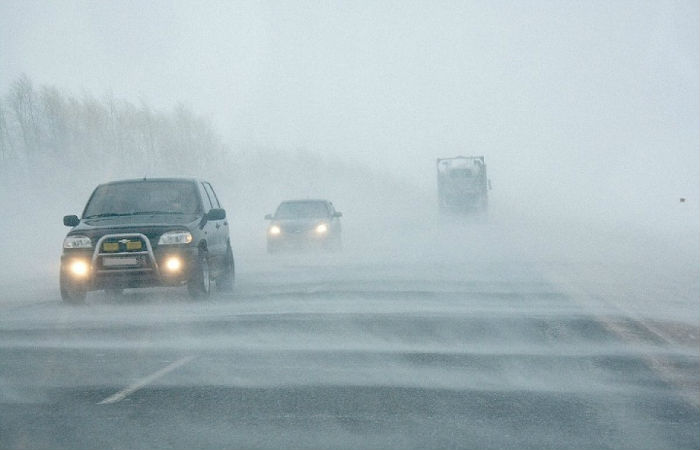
column 143, row 197
column 212, row 196
column 205, row 197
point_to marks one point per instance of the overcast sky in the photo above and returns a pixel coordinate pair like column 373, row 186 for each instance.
column 574, row 94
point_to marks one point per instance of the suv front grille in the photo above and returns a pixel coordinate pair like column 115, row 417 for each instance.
column 124, row 252
column 123, row 245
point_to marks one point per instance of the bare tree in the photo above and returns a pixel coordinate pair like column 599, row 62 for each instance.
column 22, row 102
column 5, row 143
column 54, row 119
column 92, row 134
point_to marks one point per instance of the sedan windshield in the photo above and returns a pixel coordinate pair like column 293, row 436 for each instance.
column 301, row 210
column 143, row 197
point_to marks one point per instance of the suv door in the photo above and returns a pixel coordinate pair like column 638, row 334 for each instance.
column 219, row 233
column 334, row 221
column 208, row 229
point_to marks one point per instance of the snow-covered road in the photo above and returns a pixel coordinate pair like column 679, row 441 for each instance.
column 332, row 351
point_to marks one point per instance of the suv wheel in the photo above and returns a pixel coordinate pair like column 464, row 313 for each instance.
column 199, row 284
column 224, row 283
column 70, row 292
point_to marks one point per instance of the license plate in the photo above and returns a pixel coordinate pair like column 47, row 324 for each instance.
column 110, row 246
column 120, row 262
column 133, row 245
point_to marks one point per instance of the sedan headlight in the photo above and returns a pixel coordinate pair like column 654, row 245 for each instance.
column 321, row 228
column 175, row 237
column 77, row 242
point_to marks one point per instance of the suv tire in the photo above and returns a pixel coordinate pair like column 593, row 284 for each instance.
column 199, row 285
column 224, row 283
column 70, row 292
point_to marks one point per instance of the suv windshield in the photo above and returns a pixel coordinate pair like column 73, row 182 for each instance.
column 143, row 197
column 301, row 210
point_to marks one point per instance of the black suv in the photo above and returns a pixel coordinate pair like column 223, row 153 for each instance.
column 145, row 233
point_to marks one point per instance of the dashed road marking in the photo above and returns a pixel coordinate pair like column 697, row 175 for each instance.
column 121, row 395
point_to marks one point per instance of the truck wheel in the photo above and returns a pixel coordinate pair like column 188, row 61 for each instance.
column 199, row 285
column 70, row 292
column 484, row 209
column 225, row 282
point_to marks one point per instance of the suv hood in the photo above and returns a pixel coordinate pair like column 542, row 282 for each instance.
column 137, row 220
column 151, row 226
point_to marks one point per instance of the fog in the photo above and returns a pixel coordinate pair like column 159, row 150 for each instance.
column 592, row 105
column 586, row 114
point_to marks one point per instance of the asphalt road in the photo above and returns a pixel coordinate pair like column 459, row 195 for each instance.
column 332, row 351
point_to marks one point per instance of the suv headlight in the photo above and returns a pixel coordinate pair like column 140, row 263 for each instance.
column 175, row 237
column 77, row 242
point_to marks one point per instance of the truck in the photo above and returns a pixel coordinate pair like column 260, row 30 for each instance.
column 462, row 185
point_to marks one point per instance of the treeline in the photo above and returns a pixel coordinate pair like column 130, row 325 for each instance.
column 45, row 123
column 56, row 146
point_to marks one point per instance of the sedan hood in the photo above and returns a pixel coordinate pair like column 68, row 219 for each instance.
column 299, row 224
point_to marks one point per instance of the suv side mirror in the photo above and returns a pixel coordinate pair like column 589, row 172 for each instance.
column 337, row 214
column 268, row 216
column 71, row 221
column 216, row 214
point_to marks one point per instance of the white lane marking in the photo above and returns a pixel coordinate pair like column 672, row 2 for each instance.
column 121, row 395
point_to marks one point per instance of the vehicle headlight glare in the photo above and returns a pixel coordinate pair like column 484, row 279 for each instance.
column 77, row 242
column 321, row 228
column 173, row 264
column 79, row 268
column 275, row 230
column 175, row 237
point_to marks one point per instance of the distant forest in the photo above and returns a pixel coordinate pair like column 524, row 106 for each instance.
column 44, row 122
column 59, row 145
